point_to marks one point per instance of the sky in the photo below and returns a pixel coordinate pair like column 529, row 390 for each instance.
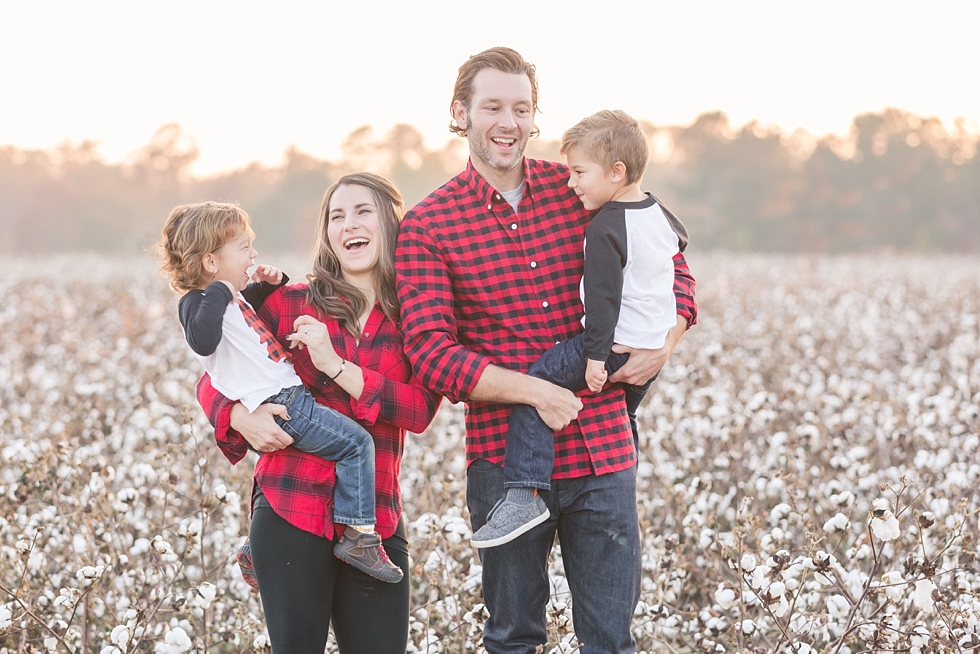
column 247, row 79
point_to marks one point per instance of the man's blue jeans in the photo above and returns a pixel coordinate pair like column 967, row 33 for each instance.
column 530, row 454
column 320, row 430
column 596, row 522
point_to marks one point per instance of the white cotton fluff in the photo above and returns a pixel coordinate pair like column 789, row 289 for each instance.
column 838, row 523
column 725, row 597
column 175, row 641
column 886, row 526
column 923, row 595
column 5, row 617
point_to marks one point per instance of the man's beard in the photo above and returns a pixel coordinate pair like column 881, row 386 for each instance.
column 481, row 148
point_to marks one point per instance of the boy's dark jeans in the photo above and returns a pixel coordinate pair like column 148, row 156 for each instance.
column 320, row 430
column 530, row 454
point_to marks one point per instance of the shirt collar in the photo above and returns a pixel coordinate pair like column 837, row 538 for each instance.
column 489, row 196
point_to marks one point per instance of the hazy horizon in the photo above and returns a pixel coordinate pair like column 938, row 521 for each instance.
column 247, row 81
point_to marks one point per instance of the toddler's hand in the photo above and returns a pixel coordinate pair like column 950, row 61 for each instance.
column 268, row 274
column 595, row 375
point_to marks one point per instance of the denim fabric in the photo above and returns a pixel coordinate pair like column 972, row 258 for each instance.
column 596, row 522
column 319, row 430
column 530, row 453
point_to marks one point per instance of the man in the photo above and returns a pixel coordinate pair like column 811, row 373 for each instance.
column 488, row 278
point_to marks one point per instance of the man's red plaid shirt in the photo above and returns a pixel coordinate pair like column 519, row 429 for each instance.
column 480, row 285
column 299, row 486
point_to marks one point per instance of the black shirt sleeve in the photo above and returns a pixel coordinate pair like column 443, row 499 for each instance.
column 256, row 294
column 675, row 224
column 201, row 314
column 605, row 257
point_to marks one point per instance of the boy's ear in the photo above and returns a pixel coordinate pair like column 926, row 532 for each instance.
column 209, row 263
column 618, row 172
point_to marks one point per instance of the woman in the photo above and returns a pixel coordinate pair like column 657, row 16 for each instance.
column 342, row 325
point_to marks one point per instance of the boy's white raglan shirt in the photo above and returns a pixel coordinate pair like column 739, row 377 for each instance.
column 628, row 284
column 239, row 364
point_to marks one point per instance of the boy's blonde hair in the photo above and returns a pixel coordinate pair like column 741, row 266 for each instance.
column 193, row 231
column 607, row 137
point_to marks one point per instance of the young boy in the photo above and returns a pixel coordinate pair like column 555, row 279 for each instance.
column 206, row 251
column 627, row 291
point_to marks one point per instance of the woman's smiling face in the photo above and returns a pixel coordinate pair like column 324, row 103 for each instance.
column 353, row 230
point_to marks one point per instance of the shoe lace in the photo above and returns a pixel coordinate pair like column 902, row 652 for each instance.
column 382, row 554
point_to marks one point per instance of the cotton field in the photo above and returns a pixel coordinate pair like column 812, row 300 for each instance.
column 807, row 480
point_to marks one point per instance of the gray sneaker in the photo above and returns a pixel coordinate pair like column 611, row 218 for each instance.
column 508, row 520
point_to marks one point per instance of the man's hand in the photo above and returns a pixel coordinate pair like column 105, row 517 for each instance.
column 644, row 364
column 268, row 274
column 595, row 375
column 259, row 428
column 557, row 406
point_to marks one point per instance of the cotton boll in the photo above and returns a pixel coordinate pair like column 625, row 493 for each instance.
column 837, row 524
column 922, row 598
column 886, row 526
column 780, row 511
column 725, row 597
column 5, row 617
column 894, row 585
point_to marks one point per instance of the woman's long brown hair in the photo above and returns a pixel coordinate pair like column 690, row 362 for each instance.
column 329, row 292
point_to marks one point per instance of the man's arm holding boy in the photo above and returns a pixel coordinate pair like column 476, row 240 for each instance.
column 441, row 363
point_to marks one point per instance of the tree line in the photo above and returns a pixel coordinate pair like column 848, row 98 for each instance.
column 897, row 182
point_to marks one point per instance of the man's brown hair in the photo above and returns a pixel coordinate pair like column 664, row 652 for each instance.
column 607, row 137
column 505, row 60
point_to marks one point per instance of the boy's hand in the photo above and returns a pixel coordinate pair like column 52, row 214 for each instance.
column 268, row 274
column 595, row 375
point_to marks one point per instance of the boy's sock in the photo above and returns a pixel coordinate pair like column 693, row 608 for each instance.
column 364, row 529
column 521, row 495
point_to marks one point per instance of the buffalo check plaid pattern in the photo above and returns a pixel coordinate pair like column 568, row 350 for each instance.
column 299, row 486
column 479, row 284
column 276, row 351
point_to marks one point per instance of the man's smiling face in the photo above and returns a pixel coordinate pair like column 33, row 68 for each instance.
column 498, row 121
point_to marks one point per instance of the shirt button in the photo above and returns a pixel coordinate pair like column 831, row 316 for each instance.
column 366, row 334
column 534, row 264
column 489, row 206
column 545, row 304
column 497, row 196
column 513, row 226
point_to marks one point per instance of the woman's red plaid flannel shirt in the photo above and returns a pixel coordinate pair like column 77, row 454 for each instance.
column 480, row 285
column 299, row 486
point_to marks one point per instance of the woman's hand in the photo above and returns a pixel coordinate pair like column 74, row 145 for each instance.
column 312, row 334
column 259, row 428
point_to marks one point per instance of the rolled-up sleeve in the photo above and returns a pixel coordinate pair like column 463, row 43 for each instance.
column 687, row 306
column 217, row 407
column 428, row 322
column 404, row 404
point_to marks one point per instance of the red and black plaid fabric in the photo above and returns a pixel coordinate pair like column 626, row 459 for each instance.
column 299, row 486
column 480, row 285
column 276, row 351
